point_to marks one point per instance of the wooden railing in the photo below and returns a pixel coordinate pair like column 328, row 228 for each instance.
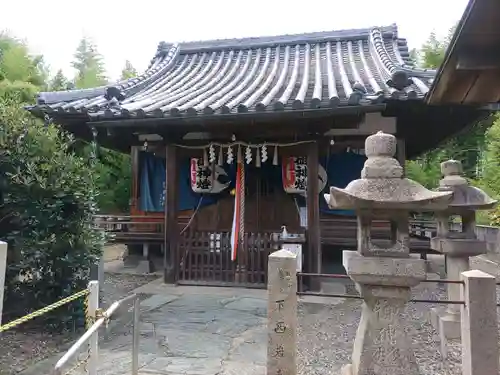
column 334, row 230
column 131, row 229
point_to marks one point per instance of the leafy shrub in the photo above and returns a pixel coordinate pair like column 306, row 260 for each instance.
column 46, row 207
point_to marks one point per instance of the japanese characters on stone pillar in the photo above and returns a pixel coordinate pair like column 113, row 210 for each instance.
column 282, row 313
column 479, row 324
column 458, row 247
column 383, row 275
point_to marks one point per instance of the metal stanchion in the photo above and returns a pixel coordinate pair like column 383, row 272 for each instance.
column 136, row 336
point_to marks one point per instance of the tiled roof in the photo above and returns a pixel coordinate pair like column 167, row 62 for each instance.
column 292, row 72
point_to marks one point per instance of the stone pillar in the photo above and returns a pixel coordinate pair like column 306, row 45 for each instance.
column 479, row 324
column 385, row 274
column 282, row 313
column 381, row 345
column 458, row 247
column 3, row 271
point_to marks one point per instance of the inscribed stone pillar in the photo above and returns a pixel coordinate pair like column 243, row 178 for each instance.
column 3, row 270
column 384, row 274
column 458, row 247
column 282, row 313
column 479, row 324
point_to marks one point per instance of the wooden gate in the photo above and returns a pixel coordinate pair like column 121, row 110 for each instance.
column 205, row 259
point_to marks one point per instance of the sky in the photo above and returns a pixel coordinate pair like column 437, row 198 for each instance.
column 132, row 30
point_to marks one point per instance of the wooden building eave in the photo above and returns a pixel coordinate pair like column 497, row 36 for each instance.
column 470, row 73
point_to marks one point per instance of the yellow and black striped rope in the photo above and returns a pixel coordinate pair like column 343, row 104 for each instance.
column 46, row 309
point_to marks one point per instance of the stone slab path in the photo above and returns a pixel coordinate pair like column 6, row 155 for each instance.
column 186, row 330
column 222, row 331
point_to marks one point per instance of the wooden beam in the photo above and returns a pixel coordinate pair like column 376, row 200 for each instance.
column 313, row 228
column 171, row 258
column 484, row 58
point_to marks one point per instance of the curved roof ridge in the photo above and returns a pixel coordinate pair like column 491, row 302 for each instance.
column 286, row 39
column 130, row 85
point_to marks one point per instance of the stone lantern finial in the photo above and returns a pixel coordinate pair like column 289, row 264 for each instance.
column 384, row 275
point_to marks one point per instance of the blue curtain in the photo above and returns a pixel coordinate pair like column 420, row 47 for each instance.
column 152, row 185
column 341, row 169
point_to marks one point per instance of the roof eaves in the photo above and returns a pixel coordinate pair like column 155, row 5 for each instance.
column 451, row 48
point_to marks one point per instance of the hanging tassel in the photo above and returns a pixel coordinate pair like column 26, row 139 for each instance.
column 257, row 159
column 248, row 155
column 230, row 156
column 205, row 158
column 239, row 158
column 264, row 153
column 211, row 154
column 275, row 156
column 220, row 161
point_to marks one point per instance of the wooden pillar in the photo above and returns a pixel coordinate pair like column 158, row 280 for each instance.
column 401, row 153
column 313, row 230
column 171, row 259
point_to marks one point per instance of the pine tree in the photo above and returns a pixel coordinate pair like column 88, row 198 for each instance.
column 89, row 66
column 58, row 82
column 128, row 71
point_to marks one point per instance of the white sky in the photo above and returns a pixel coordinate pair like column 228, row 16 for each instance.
column 132, row 29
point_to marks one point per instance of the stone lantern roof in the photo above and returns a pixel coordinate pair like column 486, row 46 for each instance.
column 382, row 185
column 465, row 196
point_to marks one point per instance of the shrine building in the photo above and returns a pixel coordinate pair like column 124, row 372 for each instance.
column 233, row 142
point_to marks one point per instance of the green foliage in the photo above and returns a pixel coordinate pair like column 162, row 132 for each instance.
column 58, row 82
column 18, row 90
column 128, row 71
column 17, row 65
column 490, row 177
column 46, row 207
column 434, row 49
column 112, row 177
column 89, row 66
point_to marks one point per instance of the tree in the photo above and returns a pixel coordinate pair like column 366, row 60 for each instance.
column 89, row 66
column 434, row 49
column 58, row 82
column 128, row 71
column 47, row 202
column 21, row 74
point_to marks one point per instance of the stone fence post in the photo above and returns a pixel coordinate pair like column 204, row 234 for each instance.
column 3, row 270
column 479, row 324
column 282, row 313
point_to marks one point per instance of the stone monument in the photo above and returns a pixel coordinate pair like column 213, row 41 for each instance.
column 458, row 247
column 384, row 275
column 282, row 313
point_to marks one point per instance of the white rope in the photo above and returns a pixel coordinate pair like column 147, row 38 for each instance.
column 253, row 145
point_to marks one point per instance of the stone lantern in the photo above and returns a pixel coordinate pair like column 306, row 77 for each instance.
column 384, row 275
column 458, row 247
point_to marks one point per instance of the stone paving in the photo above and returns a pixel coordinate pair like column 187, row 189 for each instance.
column 222, row 331
column 193, row 333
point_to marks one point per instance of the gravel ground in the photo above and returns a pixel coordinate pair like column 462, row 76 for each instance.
column 323, row 351
column 20, row 349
